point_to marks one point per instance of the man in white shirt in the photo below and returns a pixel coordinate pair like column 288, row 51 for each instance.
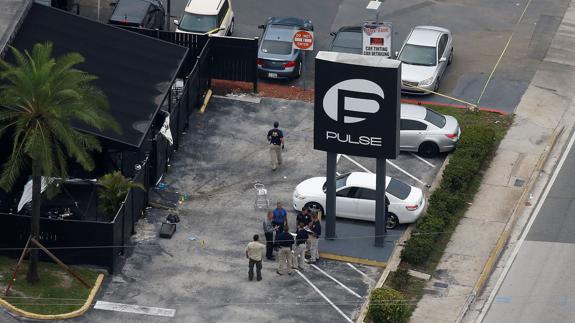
column 254, row 252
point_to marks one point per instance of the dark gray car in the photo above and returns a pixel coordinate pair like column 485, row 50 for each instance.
column 348, row 39
column 276, row 57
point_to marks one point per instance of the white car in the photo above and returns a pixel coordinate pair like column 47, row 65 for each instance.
column 355, row 198
column 214, row 17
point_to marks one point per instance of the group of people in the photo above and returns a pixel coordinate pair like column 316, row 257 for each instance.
column 291, row 247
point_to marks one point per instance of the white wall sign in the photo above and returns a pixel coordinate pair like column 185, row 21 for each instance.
column 377, row 39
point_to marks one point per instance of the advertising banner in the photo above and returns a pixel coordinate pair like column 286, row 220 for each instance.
column 377, row 39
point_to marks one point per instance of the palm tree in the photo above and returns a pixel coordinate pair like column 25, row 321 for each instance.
column 42, row 96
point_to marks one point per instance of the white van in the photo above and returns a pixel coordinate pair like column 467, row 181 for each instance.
column 214, row 17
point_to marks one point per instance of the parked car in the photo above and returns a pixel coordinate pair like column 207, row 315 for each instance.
column 426, row 131
column 355, row 198
column 214, row 17
column 276, row 57
column 348, row 39
column 149, row 14
column 425, row 55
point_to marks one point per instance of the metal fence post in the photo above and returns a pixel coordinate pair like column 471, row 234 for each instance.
column 254, row 60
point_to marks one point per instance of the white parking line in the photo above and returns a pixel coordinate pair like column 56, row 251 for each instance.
column 406, row 173
column 423, row 160
column 324, row 297
column 127, row 308
column 359, row 271
column 337, row 281
column 357, row 164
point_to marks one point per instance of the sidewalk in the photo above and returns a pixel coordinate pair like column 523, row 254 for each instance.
column 547, row 105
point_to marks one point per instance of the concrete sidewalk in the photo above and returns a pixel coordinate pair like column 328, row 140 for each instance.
column 547, row 105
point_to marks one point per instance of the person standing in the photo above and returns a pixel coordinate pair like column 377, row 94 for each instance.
column 276, row 140
column 254, row 252
column 303, row 217
column 285, row 243
column 280, row 217
column 300, row 243
column 315, row 228
column 269, row 233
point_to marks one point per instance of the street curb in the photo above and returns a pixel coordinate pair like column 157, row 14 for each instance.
column 449, row 105
column 361, row 261
column 395, row 258
column 19, row 312
column 497, row 251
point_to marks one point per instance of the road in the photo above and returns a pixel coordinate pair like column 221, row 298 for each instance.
column 539, row 285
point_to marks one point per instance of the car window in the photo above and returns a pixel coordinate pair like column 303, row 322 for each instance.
column 348, row 42
column 407, row 124
column 198, row 23
column 349, row 192
column 435, row 118
column 277, row 47
column 366, row 194
column 151, row 17
column 418, row 55
column 223, row 12
column 442, row 44
column 398, row 189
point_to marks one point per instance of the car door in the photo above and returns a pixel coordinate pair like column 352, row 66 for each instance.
column 366, row 204
column 411, row 134
column 346, row 203
column 442, row 55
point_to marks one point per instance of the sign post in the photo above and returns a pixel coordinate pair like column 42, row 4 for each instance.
column 356, row 112
column 377, row 39
column 303, row 40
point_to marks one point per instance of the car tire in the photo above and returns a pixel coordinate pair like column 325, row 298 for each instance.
column 450, row 59
column 299, row 69
column 428, row 149
column 314, row 207
column 231, row 30
column 392, row 221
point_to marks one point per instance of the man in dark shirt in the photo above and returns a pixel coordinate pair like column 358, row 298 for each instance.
column 300, row 243
column 276, row 141
column 303, row 217
column 314, row 227
column 285, row 241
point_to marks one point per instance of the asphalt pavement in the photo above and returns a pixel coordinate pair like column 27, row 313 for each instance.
column 539, row 285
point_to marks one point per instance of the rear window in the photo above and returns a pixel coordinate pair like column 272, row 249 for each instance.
column 435, row 118
column 398, row 189
column 277, row 47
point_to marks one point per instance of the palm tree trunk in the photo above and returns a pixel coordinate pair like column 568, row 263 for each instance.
column 32, row 276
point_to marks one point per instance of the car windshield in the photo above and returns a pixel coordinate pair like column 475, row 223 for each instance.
column 418, row 55
column 276, row 47
column 339, row 182
column 198, row 23
column 348, row 42
column 435, row 118
column 398, row 189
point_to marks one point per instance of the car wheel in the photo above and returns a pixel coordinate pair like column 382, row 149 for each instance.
column 450, row 57
column 231, row 30
column 428, row 149
column 314, row 207
column 392, row 221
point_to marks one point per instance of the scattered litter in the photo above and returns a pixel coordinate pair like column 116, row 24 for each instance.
column 285, row 177
column 192, row 238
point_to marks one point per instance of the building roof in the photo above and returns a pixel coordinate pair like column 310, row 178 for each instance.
column 134, row 71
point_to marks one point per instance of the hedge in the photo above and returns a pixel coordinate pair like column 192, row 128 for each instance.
column 465, row 165
column 386, row 305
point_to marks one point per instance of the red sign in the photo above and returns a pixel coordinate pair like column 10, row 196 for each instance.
column 303, row 40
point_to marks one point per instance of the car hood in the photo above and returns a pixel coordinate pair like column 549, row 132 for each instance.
column 416, row 73
column 311, row 187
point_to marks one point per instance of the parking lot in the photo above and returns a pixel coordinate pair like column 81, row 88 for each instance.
column 201, row 272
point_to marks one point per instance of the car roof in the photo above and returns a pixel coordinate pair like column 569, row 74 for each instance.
column 355, row 29
column 204, row 7
column 363, row 179
column 413, row 111
column 425, row 35
column 130, row 11
column 288, row 21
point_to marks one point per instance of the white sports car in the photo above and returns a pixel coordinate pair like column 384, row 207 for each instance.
column 356, row 198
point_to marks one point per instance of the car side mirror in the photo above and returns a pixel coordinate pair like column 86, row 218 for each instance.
column 262, row 27
column 442, row 60
column 396, row 54
column 176, row 22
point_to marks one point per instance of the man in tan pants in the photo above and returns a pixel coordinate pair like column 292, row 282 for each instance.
column 276, row 140
column 285, row 242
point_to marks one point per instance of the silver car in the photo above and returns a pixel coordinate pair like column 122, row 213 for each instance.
column 426, row 131
column 276, row 57
column 425, row 55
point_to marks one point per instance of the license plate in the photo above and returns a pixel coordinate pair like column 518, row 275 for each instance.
column 273, row 75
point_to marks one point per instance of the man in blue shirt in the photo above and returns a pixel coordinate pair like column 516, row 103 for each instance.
column 280, row 217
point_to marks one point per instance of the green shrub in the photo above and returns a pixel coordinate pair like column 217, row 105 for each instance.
column 400, row 279
column 387, row 305
column 417, row 249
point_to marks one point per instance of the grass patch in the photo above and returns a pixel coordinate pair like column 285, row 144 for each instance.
column 56, row 293
column 412, row 290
